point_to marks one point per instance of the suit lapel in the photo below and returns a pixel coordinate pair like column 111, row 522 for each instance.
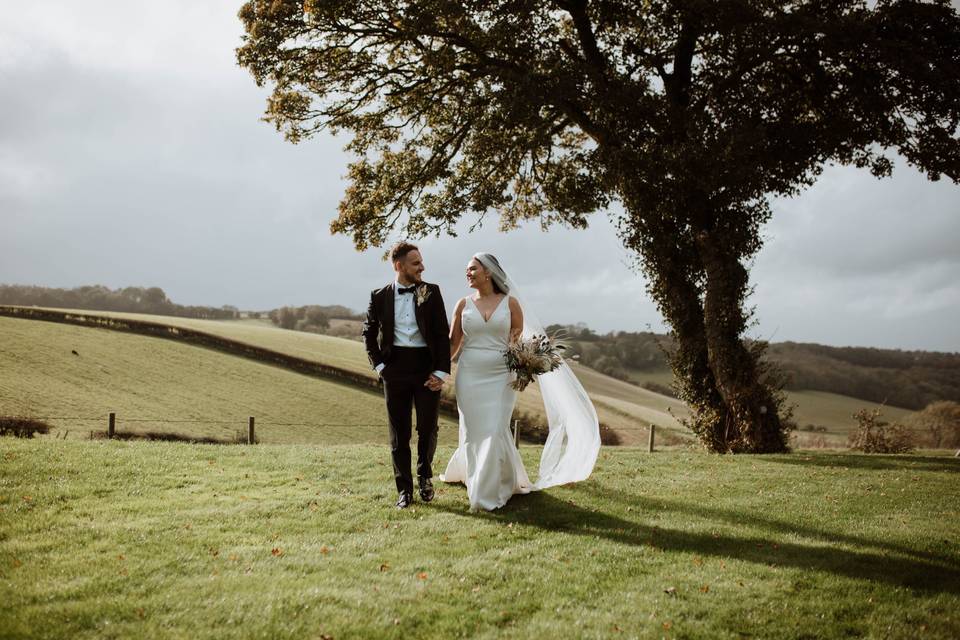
column 418, row 314
column 388, row 315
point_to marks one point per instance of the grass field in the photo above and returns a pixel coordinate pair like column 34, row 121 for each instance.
column 626, row 408
column 630, row 420
column 110, row 539
column 167, row 386
column 831, row 410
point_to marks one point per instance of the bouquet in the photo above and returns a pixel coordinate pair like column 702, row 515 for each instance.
column 532, row 357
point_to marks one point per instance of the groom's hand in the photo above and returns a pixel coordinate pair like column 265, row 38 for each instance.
column 433, row 383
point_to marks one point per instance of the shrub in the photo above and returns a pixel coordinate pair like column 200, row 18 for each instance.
column 22, row 427
column 874, row 435
column 940, row 421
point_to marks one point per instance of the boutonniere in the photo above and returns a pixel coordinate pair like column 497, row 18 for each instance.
column 423, row 292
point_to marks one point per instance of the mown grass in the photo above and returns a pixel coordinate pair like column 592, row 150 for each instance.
column 154, row 384
column 168, row 540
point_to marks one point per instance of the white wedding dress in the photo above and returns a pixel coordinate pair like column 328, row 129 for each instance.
column 486, row 460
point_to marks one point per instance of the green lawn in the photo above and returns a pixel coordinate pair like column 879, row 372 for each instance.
column 153, row 384
column 106, row 539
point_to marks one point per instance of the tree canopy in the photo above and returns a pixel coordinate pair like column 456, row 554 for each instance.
column 689, row 114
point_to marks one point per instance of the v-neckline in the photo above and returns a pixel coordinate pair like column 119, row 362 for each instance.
column 486, row 320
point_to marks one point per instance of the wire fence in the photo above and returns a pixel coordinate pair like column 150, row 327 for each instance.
column 249, row 428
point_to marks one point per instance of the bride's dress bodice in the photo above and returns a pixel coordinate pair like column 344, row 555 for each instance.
column 492, row 334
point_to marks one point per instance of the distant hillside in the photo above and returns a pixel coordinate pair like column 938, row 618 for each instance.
column 97, row 297
column 909, row 379
column 625, row 410
column 73, row 376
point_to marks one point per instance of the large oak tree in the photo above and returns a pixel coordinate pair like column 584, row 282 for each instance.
column 691, row 114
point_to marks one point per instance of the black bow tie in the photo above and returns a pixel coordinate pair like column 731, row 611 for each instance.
column 406, row 289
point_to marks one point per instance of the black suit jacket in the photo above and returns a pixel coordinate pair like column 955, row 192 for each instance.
column 431, row 320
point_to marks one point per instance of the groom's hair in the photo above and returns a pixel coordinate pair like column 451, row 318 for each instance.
column 400, row 250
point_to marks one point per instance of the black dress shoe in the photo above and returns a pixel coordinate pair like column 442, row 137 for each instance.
column 426, row 489
column 404, row 500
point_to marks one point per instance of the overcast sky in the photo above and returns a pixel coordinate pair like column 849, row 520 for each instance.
column 132, row 153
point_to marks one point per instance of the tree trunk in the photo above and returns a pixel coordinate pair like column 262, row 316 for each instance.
column 750, row 410
column 700, row 287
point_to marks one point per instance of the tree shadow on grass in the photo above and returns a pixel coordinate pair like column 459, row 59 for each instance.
column 546, row 512
column 740, row 517
column 905, row 462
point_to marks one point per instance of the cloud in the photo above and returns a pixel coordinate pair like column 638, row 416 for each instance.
column 131, row 153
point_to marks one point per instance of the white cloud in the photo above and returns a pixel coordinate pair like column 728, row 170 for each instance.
column 131, row 152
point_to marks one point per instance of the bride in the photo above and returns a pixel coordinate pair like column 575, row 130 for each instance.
column 486, row 460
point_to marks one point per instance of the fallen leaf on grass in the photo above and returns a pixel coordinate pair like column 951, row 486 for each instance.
column 276, row 551
column 384, row 567
column 27, row 498
column 705, row 588
column 422, row 575
column 16, row 563
column 233, row 557
column 671, row 591
column 667, row 625
column 141, row 613
column 324, row 549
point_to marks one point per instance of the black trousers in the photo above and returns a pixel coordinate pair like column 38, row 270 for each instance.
column 403, row 378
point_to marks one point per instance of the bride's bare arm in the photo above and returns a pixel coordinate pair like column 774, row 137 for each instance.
column 456, row 330
column 516, row 320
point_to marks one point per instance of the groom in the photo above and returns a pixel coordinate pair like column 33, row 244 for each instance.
column 407, row 337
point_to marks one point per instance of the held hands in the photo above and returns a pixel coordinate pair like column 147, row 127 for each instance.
column 433, row 383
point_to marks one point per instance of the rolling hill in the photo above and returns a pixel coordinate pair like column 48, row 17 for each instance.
column 627, row 409
column 153, row 384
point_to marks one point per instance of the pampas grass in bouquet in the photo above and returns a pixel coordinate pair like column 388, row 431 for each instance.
column 532, row 357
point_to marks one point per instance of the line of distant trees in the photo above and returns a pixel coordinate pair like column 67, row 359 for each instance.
column 313, row 318
column 100, row 298
column 908, row 379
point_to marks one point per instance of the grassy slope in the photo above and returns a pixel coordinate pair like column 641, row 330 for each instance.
column 629, row 418
column 623, row 406
column 161, row 540
column 144, row 377
column 831, row 410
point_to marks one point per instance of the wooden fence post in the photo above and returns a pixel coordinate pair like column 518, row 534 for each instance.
column 111, row 425
column 250, row 436
column 653, row 429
